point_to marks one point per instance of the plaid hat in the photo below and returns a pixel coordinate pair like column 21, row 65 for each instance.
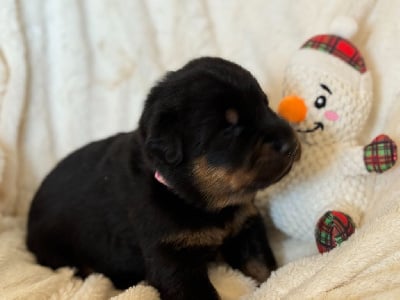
column 339, row 47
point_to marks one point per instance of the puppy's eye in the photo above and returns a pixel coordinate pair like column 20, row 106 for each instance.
column 320, row 102
column 231, row 116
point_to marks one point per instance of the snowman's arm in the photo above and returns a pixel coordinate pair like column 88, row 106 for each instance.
column 354, row 208
column 378, row 156
column 340, row 218
column 352, row 162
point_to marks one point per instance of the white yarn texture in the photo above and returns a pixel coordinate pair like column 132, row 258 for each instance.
column 330, row 174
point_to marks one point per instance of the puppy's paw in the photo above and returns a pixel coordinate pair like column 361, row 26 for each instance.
column 257, row 270
column 332, row 229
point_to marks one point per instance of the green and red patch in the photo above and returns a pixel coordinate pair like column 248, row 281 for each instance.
column 332, row 229
column 380, row 155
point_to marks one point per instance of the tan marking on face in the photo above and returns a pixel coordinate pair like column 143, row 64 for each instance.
column 232, row 116
column 221, row 186
column 197, row 238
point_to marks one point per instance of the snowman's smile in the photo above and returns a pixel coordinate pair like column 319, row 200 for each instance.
column 318, row 125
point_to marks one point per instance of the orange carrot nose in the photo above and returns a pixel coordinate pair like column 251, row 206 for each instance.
column 293, row 109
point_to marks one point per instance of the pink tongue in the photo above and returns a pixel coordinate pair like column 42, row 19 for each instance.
column 160, row 178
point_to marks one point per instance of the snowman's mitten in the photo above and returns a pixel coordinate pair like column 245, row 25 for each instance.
column 380, row 155
column 332, row 229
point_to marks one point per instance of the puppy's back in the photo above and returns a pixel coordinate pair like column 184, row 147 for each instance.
column 71, row 210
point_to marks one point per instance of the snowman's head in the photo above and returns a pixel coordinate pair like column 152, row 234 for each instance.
column 327, row 91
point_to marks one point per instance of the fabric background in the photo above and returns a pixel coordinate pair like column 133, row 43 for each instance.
column 74, row 71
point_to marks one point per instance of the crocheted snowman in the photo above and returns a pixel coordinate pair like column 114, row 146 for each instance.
column 328, row 95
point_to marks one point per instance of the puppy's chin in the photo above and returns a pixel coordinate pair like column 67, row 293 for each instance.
column 263, row 181
column 222, row 187
column 284, row 171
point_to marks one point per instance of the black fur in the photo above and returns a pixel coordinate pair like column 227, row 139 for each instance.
column 102, row 210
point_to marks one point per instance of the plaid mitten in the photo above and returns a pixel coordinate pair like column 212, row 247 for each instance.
column 332, row 229
column 380, row 155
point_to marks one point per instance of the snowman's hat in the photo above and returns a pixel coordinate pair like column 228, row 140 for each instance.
column 313, row 52
column 338, row 44
column 339, row 47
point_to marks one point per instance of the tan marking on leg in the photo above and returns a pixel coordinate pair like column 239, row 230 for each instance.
column 212, row 236
column 196, row 238
column 242, row 215
column 256, row 270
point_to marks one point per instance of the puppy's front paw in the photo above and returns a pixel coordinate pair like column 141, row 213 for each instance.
column 332, row 229
column 257, row 270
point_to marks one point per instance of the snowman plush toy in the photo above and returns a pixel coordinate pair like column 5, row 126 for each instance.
column 328, row 95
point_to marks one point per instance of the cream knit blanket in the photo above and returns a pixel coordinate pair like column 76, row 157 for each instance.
column 74, row 71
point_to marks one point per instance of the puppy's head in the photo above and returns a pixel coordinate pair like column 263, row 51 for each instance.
column 208, row 130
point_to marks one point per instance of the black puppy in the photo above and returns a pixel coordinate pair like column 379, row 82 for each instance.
column 162, row 201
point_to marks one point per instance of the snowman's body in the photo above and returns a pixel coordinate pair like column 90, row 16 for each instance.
column 327, row 98
column 320, row 181
column 331, row 173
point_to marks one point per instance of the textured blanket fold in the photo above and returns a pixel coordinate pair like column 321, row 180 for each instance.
column 75, row 71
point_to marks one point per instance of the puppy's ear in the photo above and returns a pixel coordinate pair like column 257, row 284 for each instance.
column 165, row 150
column 164, row 144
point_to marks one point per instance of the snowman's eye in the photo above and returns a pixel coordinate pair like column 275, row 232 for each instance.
column 320, row 102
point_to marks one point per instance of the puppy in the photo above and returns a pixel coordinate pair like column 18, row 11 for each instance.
column 159, row 203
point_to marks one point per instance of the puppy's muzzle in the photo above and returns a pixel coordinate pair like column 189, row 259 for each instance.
column 289, row 147
column 276, row 158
